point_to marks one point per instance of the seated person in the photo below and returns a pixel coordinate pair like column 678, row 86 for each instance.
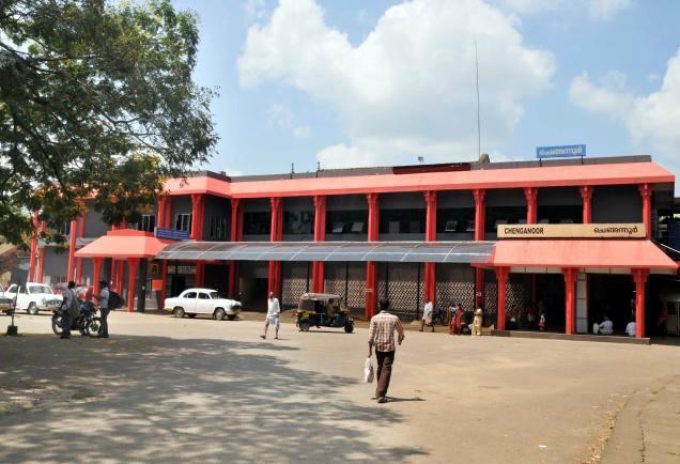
column 607, row 327
column 631, row 329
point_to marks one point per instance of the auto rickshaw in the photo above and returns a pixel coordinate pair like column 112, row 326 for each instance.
column 323, row 310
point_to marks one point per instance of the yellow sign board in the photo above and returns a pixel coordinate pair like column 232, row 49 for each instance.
column 572, row 231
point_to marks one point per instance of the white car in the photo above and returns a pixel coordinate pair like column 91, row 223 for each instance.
column 202, row 301
column 34, row 297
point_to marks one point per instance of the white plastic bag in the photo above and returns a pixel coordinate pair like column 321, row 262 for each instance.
column 368, row 371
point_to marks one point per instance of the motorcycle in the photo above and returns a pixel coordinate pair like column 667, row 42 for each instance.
column 86, row 322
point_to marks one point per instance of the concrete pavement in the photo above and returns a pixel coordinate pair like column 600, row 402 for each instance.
column 169, row 390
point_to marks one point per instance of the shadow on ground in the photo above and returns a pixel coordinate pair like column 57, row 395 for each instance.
column 156, row 399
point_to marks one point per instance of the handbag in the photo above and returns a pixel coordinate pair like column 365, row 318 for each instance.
column 368, row 371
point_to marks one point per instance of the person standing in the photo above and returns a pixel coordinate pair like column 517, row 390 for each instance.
column 273, row 313
column 381, row 336
column 477, row 322
column 428, row 312
column 69, row 310
column 103, row 298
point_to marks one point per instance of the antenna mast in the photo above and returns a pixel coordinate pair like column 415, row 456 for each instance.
column 479, row 130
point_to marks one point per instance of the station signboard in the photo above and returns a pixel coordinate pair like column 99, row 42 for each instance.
column 562, row 151
column 172, row 234
column 576, row 231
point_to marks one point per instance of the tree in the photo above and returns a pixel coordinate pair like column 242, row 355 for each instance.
column 96, row 101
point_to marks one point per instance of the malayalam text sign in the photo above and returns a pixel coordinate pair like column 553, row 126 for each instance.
column 563, row 151
column 572, row 231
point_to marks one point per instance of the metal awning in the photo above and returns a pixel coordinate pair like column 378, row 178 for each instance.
column 405, row 252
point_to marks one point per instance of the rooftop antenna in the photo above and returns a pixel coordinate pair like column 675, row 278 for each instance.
column 479, row 130
column 421, row 159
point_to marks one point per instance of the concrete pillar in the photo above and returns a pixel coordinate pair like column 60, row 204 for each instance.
column 480, row 234
column 570, row 277
column 275, row 235
column 96, row 271
column 371, row 267
column 319, row 236
column 71, row 266
column 430, row 278
column 133, row 264
column 587, row 198
column 235, row 235
column 646, row 191
column 197, row 208
column 79, row 261
column 640, row 276
column 502, row 274
column 531, row 195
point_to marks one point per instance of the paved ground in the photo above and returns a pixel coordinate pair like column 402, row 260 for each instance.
column 169, row 390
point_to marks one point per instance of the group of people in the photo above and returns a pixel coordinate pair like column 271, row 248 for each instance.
column 70, row 309
column 606, row 327
column 455, row 315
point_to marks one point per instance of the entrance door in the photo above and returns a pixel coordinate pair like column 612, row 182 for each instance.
column 551, row 300
column 217, row 277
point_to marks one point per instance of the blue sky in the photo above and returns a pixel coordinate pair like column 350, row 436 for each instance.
column 349, row 83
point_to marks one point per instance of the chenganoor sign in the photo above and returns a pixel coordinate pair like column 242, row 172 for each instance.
column 572, row 231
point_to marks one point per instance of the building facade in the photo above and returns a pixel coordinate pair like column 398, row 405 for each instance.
column 372, row 233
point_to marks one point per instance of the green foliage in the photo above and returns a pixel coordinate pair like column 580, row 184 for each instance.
column 96, row 101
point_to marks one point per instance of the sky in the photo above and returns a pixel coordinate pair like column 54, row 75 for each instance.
column 348, row 83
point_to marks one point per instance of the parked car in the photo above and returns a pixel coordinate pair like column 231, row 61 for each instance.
column 202, row 301
column 34, row 297
column 6, row 303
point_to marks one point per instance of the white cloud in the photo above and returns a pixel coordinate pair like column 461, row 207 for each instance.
column 652, row 120
column 596, row 9
column 282, row 117
column 254, row 10
column 409, row 88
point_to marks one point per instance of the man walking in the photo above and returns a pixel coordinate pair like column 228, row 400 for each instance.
column 103, row 298
column 273, row 312
column 69, row 310
column 381, row 336
column 428, row 313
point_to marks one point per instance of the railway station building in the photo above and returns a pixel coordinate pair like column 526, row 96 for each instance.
column 573, row 239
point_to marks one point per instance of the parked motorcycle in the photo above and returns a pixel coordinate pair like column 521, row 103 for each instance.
column 86, row 322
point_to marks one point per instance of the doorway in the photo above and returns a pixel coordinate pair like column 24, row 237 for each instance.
column 217, row 277
column 551, row 301
column 612, row 296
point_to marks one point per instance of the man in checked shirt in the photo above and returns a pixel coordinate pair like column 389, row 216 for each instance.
column 381, row 336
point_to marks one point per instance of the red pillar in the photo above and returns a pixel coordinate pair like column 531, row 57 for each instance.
column 236, row 235
column 40, row 270
column 164, row 280
column 79, row 261
column 96, row 271
column 502, row 274
column 275, row 235
column 33, row 258
column 200, row 273
column 72, row 250
column 480, row 234
column 133, row 263
column 430, row 278
column 570, row 277
column 319, row 236
column 640, row 276
column 119, row 278
column 162, row 211
column 371, row 267
column 197, row 202
column 587, row 197
column 531, row 195
column 646, row 193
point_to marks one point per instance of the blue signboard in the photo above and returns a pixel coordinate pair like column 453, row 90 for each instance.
column 172, row 234
column 566, row 151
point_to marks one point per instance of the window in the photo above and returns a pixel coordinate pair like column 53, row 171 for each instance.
column 402, row 221
column 183, row 222
column 218, row 228
column 346, row 222
column 451, row 226
column 39, row 289
column 190, row 295
column 203, row 296
column 256, row 223
column 338, row 227
column 298, row 222
column 214, row 295
column 147, row 223
column 357, row 227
